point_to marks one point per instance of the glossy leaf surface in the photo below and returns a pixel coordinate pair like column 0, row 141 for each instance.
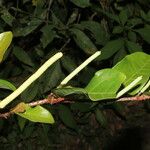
column 37, row 114
column 133, row 66
column 7, row 85
column 5, row 40
column 105, row 84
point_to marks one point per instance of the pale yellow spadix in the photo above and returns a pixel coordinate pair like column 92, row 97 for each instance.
column 78, row 69
column 5, row 40
column 30, row 80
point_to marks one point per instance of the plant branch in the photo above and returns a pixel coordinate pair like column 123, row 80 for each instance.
column 52, row 99
column 134, row 98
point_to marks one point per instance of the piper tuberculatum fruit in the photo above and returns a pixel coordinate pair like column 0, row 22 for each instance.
column 5, row 40
column 30, row 80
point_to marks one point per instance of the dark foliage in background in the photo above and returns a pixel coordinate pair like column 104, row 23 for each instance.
column 78, row 28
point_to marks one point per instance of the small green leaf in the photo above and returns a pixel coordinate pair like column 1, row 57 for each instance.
column 22, row 56
column 21, row 122
column 7, row 17
column 37, row 114
column 31, row 92
column 48, row 35
column 111, row 48
column 123, row 16
column 7, row 85
column 119, row 55
column 30, row 27
column 51, row 77
column 83, row 41
column 132, row 36
column 117, row 30
column 145, row 33
column 105, row 84
column 5, row 40
column 80, row 106
column 68, row 63
column 68, row 91
column 101, row 118
column 67, row 117
column 97, row 30
column 133, row 47
column 81, row 3
column 109, row 15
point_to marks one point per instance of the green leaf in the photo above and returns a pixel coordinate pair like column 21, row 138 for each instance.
column 83, row 41
column 133, row 66
column 119, row 55
column 31, row 92
column 48, row 35
column 81, row 3
column 7, row 17
column 37, row 114
column 117, row 30
column 101, row 118
column 134, row 22
column 105, row 84
column 68, row 63
column 51, row 77
column 80, row 106
column 98, row 32
column 132, row 36
column 133, row 47
column 109, row 15
column 5, row 40
column 145, row 33
column 31, row 26
column 7, row 85
column 68, row 91
column 123, row 16
column 111, row 48
column 22, row 56
column 21, row 122
column 67, row 117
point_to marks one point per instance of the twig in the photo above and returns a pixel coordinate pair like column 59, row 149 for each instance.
column 134, row 98
column 52, row 99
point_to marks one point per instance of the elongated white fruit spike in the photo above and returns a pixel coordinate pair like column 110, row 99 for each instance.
column 78, row 69
column 30, row 80
column 130, row 86
column 145, row 87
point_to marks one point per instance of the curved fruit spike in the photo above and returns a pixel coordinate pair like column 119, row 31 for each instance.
column 5, row 40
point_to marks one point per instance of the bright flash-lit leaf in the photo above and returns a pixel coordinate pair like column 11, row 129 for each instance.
column 133, row 66
column 105, row 84
column 5, row 40
column 7, row 85
column 37, row 114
